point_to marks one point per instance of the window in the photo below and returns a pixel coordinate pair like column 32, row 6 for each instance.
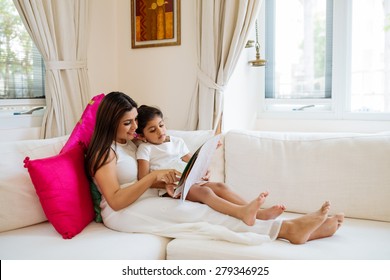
column 370, row 56
column 328, row 56
column 21, row 65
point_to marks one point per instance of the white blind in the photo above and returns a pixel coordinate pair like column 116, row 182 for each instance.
column 22, row 69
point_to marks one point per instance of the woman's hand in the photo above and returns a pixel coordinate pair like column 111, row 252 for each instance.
column 168, row 176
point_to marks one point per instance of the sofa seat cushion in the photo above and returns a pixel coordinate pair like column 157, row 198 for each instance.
column 355, row 240
column 96, row 242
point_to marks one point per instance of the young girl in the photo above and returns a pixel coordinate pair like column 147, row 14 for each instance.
column 159, row 151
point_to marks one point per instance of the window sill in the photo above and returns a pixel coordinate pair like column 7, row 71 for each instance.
column 10, row 121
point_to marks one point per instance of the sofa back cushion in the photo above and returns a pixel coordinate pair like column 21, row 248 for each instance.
column 301, row 170
column 19, row 203
column 193, row 138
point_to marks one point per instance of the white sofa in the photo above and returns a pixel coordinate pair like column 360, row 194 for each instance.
column 300, row 170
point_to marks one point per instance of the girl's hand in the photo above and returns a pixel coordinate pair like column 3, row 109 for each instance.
column 206, row 177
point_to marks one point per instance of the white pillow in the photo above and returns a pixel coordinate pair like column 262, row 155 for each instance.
column 19, row 204
column 193, row 139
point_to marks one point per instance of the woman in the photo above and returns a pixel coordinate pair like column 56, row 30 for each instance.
column 129, row 205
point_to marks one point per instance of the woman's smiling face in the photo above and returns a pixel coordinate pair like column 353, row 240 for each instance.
column 127, row 126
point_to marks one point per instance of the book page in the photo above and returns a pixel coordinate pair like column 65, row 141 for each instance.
column 198, row 166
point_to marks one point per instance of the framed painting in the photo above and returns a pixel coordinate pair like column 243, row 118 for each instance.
column 155, row 23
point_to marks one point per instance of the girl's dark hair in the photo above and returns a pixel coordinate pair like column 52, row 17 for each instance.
column 145, row 114
column 111, row 109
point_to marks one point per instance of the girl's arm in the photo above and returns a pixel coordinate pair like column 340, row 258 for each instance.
column 187, row 157
column 119, row 198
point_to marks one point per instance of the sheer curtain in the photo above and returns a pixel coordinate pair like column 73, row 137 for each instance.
column 222, row 31
column 59, row 30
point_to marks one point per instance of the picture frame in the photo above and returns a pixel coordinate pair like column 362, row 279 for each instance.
column 155, row 23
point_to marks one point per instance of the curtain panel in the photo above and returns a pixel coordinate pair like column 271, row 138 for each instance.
column 59, row 30
column 223, row 27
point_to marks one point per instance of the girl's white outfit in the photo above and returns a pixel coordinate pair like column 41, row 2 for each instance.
column 173, row 218
column 164, row 156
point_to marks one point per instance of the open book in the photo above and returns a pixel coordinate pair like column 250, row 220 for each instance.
column 197, row 166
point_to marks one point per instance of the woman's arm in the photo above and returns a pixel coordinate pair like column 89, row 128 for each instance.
column 119, row 198
column 143, row 170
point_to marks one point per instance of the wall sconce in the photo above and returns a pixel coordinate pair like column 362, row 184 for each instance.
column 258, row 61
column 250, row 44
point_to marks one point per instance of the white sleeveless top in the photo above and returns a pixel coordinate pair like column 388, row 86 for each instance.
column 126, row 163
column 127, row 171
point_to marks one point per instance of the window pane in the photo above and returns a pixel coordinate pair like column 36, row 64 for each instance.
column 300, row 54
column 21, row 65
column 370, row 56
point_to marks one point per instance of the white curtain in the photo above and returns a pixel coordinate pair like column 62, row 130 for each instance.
column 59, row 30
column 222, row 31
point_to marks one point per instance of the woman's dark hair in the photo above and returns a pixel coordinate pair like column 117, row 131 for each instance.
column 111, row 109
column 145, row 114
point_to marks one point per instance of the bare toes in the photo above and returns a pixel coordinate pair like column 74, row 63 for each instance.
column 325, row 207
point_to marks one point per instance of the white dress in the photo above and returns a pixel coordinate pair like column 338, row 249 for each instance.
column 165, row 216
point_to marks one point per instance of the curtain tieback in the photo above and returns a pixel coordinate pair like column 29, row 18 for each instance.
column 209, row 82
column 62, row 64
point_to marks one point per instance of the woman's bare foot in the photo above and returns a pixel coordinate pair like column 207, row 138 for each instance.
column 249, row 211
column 328, row 227
column 299, row 230
column 270, row 213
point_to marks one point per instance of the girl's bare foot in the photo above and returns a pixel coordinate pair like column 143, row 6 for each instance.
column 249, row 211
column 270, row 213
column 328, row 227
column 299, row 230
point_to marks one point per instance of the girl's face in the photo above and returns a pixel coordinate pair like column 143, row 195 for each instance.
column 155, row 131
column 127, row 126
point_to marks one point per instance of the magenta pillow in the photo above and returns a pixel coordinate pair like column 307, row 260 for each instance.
column 63, row 190
column 83, row 130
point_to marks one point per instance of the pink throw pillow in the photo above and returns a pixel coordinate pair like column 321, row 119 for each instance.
column 63, row 190
column 83, row 130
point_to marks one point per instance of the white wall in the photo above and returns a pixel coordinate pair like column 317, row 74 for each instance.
column 160, row 76
column 165, row 76
column 242, row 97
column 102, row 46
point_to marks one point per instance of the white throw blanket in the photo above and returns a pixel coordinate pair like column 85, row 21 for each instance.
column 174, row 218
